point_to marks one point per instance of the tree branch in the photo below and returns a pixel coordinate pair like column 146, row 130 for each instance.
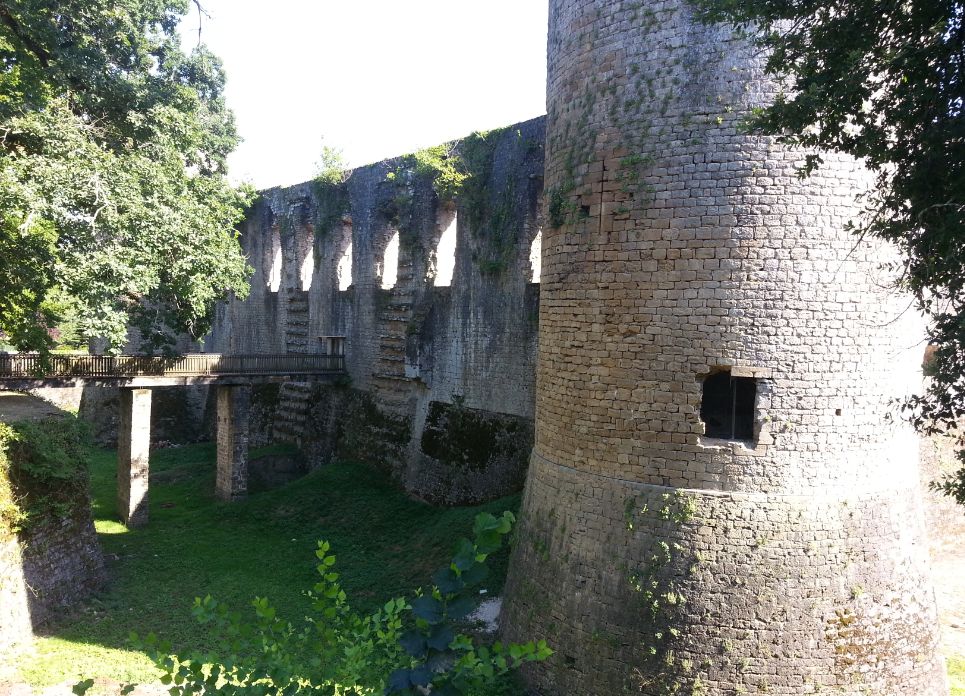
column 202, row 13
column 41, row 53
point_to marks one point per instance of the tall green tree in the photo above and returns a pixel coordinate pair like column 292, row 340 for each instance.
column 884, row 81
column 114, row 205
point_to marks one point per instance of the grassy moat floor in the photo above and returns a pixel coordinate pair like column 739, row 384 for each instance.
column 386, row 544
column 956, row 675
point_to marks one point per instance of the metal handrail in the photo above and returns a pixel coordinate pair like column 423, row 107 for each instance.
column 31, row 365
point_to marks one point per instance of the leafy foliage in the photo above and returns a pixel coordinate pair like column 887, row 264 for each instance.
column 445, row 166
column 331, row 168
column 885, row 82
column 112, row 174
column 43, row 471
column 401, row 648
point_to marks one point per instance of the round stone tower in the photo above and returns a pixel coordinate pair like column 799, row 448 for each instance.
column 717, row 501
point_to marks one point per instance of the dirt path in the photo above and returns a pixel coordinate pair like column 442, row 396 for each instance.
column 18, row 406
column 101, row 687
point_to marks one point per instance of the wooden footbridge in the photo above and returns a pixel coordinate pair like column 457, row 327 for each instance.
column 231, row 375
column 30, row 370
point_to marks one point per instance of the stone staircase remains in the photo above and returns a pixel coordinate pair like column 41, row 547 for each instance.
column 294, row 402
column 391, row 386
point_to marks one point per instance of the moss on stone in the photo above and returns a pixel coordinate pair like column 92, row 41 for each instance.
column 468, row 438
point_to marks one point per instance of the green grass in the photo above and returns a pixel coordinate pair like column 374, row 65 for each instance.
column 386, row 545
column 194, row 545
column 956, row 675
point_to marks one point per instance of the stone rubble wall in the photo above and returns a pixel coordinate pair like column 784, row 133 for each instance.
column 47, row 570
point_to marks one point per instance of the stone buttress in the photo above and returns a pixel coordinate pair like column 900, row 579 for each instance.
column 717, row 502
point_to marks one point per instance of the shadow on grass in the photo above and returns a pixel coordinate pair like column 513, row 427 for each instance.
column 194, row 545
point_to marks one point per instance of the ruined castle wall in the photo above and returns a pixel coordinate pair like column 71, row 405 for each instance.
column 416, row 353
column 255, row 330
column 655, row 550
column 50, row 560
column 46, row 571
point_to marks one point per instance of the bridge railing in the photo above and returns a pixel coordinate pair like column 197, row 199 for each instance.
column 31, row 366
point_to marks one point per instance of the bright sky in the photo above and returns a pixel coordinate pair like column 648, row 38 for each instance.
column 377, row 78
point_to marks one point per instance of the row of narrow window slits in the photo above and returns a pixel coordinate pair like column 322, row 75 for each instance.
column 389, row 268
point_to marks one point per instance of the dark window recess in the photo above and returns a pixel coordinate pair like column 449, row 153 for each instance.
column 727, row 408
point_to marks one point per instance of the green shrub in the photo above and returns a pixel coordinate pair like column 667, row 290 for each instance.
column 43, row 471
column 404, row 647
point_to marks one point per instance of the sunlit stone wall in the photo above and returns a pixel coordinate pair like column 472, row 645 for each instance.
column 786, row 560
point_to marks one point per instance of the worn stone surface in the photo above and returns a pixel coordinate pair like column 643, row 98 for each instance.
column 45, row 570
column 677, row 246
column 15, row 626
column 467, row 453
column 414, row 344
column 234, row 404
column 274, row 470
column 133, row 455
column 178, row 414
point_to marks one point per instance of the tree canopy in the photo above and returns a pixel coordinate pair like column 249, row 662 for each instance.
column 115, row 209
column 884, row 81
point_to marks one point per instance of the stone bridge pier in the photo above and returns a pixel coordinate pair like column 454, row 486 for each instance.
column 231, row 375
column 134, row 444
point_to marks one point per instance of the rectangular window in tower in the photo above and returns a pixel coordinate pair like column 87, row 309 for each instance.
column 727, row 406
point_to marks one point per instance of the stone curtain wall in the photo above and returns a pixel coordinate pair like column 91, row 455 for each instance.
column 651, row 556
column 49, row 561
column 415, row 347
column 45, row 571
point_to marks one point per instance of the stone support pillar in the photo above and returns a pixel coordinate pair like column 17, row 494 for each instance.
column 133, row 456
column 234, row 403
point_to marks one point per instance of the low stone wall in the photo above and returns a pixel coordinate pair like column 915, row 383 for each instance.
column 62, row 563
column 49, row 555
column 15, row 626
column 46, row 570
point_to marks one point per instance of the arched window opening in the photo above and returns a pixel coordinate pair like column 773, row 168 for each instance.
column 446, row 256
column 390, row 263
column 274, row 270
column 536, row 256
column 307, row 271
column 344, row 269
column 306, row 255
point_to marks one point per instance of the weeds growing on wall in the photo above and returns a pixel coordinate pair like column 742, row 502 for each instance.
column 656, row 583
column 492, row 218
column 462, row 172
column 330, row 193
column 446, row 168
column 43, row 471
